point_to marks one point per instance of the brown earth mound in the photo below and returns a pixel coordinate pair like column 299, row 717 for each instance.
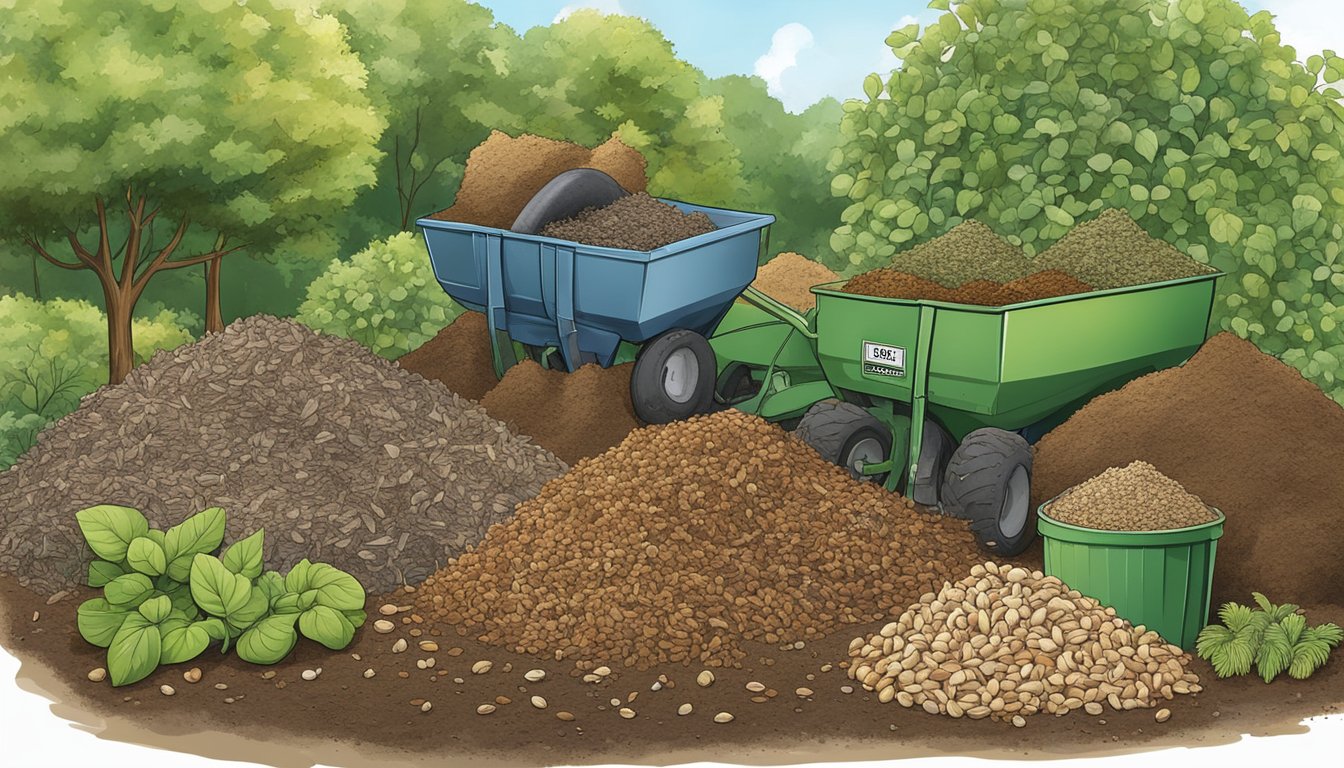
column 637, row 222
column 573, row 415
column 688, row 538
column 458, row 356
column 892, row 284
column 789, row 278
column 1245, row 433
column 503, row 173
column 340, row 455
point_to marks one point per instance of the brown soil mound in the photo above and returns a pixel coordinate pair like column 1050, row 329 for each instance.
column 637, row 222
column 573, row 415
column 1245, row 433
column 1112, row 251
column 503, row 173
column 458, row 356
column 969, row 251
column 687, row 539
column 892, row 284
column 337, row 453
column 789, row 278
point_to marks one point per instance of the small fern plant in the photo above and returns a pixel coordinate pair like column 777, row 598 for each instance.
column 1271, row 638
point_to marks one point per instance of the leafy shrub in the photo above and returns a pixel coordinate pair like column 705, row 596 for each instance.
column 18, row 431
column 385, row 297
column 166, row 597
column 1190, row 115
column 1273, row 638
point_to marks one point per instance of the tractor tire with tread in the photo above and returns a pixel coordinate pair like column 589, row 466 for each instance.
column 838, row 430
column 988, row 482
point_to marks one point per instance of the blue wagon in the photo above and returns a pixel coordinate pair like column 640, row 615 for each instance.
column 568, row 304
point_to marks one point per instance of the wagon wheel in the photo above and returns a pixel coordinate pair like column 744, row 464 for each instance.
column 673, row 377
column 845, row 434
column 988, row 482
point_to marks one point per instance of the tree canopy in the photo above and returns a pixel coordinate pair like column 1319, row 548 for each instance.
column 1193, row 116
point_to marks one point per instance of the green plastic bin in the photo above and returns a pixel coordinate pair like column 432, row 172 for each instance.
column 1160, row 579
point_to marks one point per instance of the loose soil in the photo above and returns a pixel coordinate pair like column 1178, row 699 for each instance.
column 1134, row 498
column 573, row 415
column 340, row 456
column 892, row 284
column 1112, row 251
column 1245, row 433
column 343, row 718
column 458, row 356
column 503, row 173
column 688, row 538
column 789, row 278
column 969, row 251
column 637, row 222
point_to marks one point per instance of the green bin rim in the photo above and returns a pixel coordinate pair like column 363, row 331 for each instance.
column 1060, row 531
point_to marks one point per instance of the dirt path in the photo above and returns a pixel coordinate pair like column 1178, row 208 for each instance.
column 345, row 718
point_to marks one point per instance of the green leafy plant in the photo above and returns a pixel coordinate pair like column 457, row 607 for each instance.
column 167, row 597
column 1271, row 638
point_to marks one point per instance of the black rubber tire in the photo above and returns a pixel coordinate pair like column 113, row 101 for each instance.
column 566, row 195
column 835, row 429
column 988, row 482
column 934, row 454
column 657, row 397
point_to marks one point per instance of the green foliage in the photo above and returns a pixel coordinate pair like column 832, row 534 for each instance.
column 1192, row 116
column 1271, row 638
column 385, row 297
column 166, row 597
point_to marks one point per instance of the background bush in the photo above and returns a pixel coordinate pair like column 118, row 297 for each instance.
column 1190, row 115
column 385, row 297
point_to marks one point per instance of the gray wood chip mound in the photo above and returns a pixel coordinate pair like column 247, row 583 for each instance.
column 340, row 455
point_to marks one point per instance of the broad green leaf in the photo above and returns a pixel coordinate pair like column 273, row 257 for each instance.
column 102, row 571
column 156, row 609
column 199, row 534
column 182, row 600
column 271, row 584
column 99, row 620
column 326, row 626
column 215, row 590
column 244, row 556
column 257, row 606
column 1145, row 143
column 872, row 86
column 335, row 588
column 1099, row 162
column 297, row 578
column 128, row 590
column 356, row 618
column 109, row 529
column 288, row 603
column 146, row 557
column 184, row 642
column 135, row 650
column 269, row 640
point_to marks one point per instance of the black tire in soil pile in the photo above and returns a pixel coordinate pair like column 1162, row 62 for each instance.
column 673, row 377
column 988, row 482
column 565, row 196
column 934, row 453
column 844, row 433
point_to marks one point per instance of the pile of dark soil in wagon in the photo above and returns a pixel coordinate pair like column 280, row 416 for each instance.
column 458, row 356
column 893, row 284
column 339, row 454
column 685, row 541
column 1246, row 434
column 638, row 222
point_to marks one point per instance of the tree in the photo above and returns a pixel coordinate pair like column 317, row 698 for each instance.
column 436, row 72
column 1191, row 115
column 247, row 119
column 385, row 297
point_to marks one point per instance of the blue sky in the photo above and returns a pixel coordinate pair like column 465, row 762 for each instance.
column 808, row 50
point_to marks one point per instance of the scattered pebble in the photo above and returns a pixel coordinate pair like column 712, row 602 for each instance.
column 705, row 679
column 192, row 675
column 309, row 674
column 1019, row 721
column 724, row 717
column 426, row 707
column 387, row 609
column 615, row 702
column 485, row 709
column 383, row 626
column 602, row 671
column 429, row 646
column 804, row 692
column 755, row 687
column 503, row 700
column 534, row 675
column 846, row 689
column 1093, row 708
column 400, row 645
column 36, row 615
column 221, row 687
column 685, row 709
column 627, row 713
column 538, row 702
column 1163, row 715
column 563, row 715
column 167, row 690
column 268, row 674
column 98, row 674
column 481, row 667
column 369, row 673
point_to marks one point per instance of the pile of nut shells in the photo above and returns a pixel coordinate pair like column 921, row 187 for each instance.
column 687, row 539
column 1136, row 497
column 1006, row 643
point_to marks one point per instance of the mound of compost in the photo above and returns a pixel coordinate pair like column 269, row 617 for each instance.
column 789, row 278
column 503, row 173
column 1245, row 433
column 1135, row 497
column 638, row 222
column 969, row 251
column 458, row 356
column 340, row 455
column 573, row 415
column 688, row 538
column 1112, row 251
column 892, row 284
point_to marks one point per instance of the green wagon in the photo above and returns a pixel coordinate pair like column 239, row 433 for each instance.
column 940, row 400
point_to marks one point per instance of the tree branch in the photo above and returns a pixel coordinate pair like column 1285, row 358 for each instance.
column 201, row 259
column 104, row 247
column 136, row 217
column 167, row 250
column 32, row 242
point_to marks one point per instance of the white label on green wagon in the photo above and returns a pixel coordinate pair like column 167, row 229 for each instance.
column 883, row 359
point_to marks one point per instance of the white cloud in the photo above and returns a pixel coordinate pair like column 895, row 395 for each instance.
column 604, row 7
column 1310, row 26
column 886, row 59
column 787, row 41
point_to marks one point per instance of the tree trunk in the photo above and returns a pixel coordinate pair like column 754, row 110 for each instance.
column 120, row 346
column 214, row 319
column 37, row 282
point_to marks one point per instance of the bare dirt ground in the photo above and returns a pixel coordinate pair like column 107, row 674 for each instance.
column 344, row 718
